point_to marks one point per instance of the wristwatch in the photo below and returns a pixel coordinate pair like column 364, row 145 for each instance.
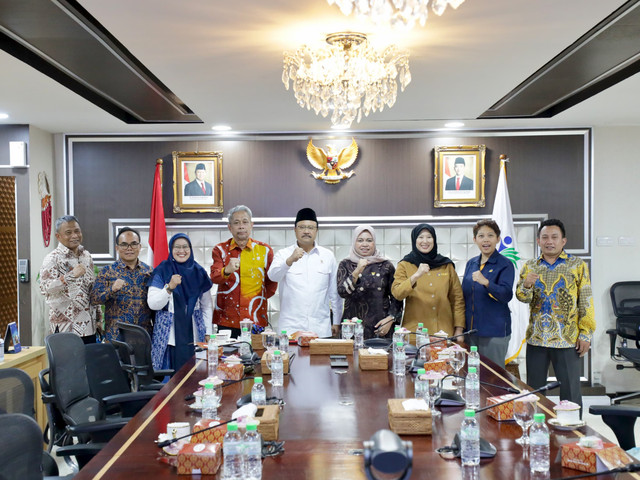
column 168, row 288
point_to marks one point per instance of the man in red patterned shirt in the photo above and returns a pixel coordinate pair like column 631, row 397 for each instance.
column 239, row 269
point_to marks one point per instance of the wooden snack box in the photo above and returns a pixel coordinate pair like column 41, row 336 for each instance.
column 269, row 418
column 330, row 346
column 265, row 361
column 402, row 422
column 367, row 361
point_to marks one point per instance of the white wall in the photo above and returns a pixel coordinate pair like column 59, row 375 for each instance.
column 616, row 184
column 41, row 158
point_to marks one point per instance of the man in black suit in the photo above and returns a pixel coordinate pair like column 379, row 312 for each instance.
column 199, row 187
column 459, row 182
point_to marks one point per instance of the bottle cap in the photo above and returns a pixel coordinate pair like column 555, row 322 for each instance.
column 257, row 380
column 284, row 332
column 358, row 321
column 425, row 330
column 538, row 417
column 232, row 427
column 469, row 413
column 252, row 427
column 208, row 385
column 397, row 327
column 421, row 371
column 276, row 352
column 212, row 337
column 399, row 344
column 474, row 349
column 420, row 325
column 245, row 329
column 472, row 370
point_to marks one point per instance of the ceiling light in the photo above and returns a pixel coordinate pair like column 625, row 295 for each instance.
column 221, row 128
column 454, row 125
column 396, row 12
column 348, row 77
column 4, row 116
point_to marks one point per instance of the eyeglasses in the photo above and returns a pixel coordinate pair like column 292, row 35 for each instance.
column 127, row 246
column 182, row 247
column 309, row 228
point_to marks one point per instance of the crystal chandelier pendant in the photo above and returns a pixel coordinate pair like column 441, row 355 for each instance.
column 347, row 78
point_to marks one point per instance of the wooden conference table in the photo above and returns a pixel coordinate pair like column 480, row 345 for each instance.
column 326, row 418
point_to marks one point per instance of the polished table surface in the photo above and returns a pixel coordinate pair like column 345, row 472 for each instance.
column 326, row 418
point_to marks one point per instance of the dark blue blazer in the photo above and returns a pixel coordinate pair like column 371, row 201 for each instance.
column 486, row 308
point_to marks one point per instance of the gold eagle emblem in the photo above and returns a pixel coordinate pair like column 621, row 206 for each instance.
column 332, row 163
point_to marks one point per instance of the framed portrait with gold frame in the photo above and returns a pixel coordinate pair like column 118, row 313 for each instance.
column 197, row 182
column 459, row 176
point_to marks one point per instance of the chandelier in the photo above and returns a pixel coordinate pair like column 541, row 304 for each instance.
column 404, row 12
column 346, row 77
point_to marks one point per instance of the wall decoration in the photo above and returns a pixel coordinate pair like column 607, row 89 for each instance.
column 197, row 182
column 45, row 205
column 331, row 163
column 459, row 176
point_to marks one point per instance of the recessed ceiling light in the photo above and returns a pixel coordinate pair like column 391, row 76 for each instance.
column 454, row 124
column 4, row 116
column 221, row 128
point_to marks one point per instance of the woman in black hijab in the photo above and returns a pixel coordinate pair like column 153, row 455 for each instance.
column 430, row 286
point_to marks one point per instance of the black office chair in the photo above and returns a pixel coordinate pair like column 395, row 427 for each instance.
column 72, row 412
column 109, row 383
column 20, row 447
column 621, row 419
column 625, row 299
column 16, row 392
column 135, row 354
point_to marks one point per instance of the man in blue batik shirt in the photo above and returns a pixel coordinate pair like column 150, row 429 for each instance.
column 122, row 286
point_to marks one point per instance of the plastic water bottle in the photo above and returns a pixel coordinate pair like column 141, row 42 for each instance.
column 421, row 386
column 252, row 453
column 397, row 335
column 258, row 392
column 422, row 337
column 283, row 342
column 399, row 360
column 245, row 336
column 212, row 357
column 472, row 389
column 232, row 453
column 1, row 350
column 474, row 359
column 539, row 444
column 469, row 439
column 209, row 402
column 276, row 369
column 358, row 335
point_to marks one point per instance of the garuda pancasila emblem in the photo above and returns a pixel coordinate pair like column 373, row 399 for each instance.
column 332, row 163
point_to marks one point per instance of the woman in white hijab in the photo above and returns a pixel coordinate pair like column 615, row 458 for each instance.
column 364, row 281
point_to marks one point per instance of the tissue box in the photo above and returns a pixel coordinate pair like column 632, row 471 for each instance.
column 594, row 460
column 203, row 458
column 215, row 435
column 502, row 412
column 303, row 338
column 230, row 371
column 265, row 361
column 331, row 346
column 368, row 361
column 438, row 366
column 269, row 418
column 402, row 422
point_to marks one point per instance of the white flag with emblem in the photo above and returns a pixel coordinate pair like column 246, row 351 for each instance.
column 509, row 248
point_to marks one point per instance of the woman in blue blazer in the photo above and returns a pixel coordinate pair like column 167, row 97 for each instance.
column 488, row 288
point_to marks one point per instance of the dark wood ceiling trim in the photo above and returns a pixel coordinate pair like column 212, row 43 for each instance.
column 65, row 42
column 602, row 57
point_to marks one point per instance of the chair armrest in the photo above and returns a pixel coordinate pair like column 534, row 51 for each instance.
column 99, row 431
column 616, row 410
column 79, row 449
column 163, row 373
column 152, row 387
column 122, row 398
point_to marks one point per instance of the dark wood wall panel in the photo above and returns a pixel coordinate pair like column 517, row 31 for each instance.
column 394, row 176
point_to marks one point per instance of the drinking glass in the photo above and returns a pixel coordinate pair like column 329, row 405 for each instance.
column 434, row 394
column 456, row 360
column 269, row 340
column 347, row 330
column 523, row 410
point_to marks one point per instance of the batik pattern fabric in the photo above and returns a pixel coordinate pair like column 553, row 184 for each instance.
column 244, row 294
column 560, row 302
column 127, row 305
column 69, row 298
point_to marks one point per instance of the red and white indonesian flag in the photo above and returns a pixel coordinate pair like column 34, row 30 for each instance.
column 509, row 248
column 158, row 247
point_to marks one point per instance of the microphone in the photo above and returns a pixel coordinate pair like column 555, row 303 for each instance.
column 252, row 358
column 544, row 388
column 417, row 363
column 508, row 389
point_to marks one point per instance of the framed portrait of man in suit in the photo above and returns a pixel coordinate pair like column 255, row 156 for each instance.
column 197, row 182
column 459, row 176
